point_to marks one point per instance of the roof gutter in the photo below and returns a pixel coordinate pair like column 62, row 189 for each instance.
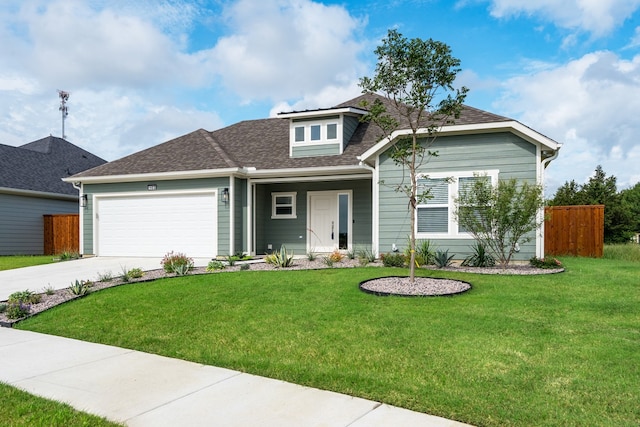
column 42, row 194
column 157, row 176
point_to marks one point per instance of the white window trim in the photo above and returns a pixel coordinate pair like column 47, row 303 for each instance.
column 323, row 132
column 452, row 225
column 293, row 214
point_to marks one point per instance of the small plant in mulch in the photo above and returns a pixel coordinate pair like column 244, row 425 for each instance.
column 546, row 262
column 393, row 259
column 215, row 265
column 177, row 263
column 80, row 287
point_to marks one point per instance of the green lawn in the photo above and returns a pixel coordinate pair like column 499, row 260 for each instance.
column 19, row 261
column 553, row 350
column 19, row 408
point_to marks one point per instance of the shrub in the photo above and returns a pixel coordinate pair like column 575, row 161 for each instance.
column 547, row 262
column 280, row 259
column 17, row 310
column 328, row 261
column 311, row 255
column 80, row 287
column 336, row 256
column 177, row 263
column 426, row 251
column 136, row 273
column 3, row 307
column 479, row 258
column 351, row 254
column 49, row 290
column 25, row 296
column 105, row 277
column 394, row 260
column 68, row 255
column 244, row 267
column 365, row 256
column 231, row 260
column 215, row 265
column 443, row 259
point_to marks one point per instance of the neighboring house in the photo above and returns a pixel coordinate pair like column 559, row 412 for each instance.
column 31, row 186
column 314, row 180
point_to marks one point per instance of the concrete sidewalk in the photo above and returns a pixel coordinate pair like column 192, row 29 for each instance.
column 60, row 275
column 143, row 389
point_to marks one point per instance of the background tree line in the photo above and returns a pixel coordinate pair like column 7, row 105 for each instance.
column 621, row 209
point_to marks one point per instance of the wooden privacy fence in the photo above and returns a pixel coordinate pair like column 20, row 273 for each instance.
column 61, row 233
column 574, row 230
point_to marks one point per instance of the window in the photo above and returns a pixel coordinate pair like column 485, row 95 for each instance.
column 283, row 205
column 466, row 183
column 314, row 132
column 435, row 215
column 332, row 131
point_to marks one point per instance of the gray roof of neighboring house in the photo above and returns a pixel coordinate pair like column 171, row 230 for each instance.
column 40, row 165
column 263, row 144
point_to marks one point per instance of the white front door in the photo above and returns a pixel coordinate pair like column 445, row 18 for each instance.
column 329, row 221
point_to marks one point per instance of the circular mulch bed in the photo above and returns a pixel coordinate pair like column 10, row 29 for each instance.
column 422, row 286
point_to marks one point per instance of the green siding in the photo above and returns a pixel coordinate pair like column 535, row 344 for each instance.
column 511, row 155
column 316, row 150
column 293, row 232
column 349, row 126
column 173, row 185
column 22, row 224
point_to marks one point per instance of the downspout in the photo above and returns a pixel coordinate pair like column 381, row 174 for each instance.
column 374, row 206
column 80, row 217
column 545, row 163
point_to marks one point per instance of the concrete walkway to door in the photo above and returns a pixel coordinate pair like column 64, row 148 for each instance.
column 60, row 275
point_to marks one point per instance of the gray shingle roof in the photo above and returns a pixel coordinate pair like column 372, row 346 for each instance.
column 263, row 144
column 40, row 165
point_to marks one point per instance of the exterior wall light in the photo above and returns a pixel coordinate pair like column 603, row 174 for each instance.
column 83, row 201
column 152, row 187
column 225, row 196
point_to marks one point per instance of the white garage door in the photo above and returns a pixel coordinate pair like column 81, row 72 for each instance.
column 152, row 225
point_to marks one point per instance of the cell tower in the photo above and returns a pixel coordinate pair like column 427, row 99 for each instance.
column 64, row 97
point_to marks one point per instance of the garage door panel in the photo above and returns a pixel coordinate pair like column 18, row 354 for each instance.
column 155, row 225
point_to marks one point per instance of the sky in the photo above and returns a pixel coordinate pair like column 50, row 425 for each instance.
column 140, row 73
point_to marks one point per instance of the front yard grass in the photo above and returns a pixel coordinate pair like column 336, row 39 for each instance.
column 20, row 408
column 551, row 350
column 19, row 261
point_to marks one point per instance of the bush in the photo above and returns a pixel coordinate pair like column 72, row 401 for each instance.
column 17, row 310
column 425, row 252
column 25, row 296
column 244, row 267
column 479, row 258
column 80, row 287
column 547, row 262
column 336, row 256
column 311, row 255
column 280, row 259
column 136, row 273
column 68, row 255
column 215, row 265
column 3, row 307
column 177, row 263
column 443, row 259
column 365, row 256
column 394, row 260
column 107, row 276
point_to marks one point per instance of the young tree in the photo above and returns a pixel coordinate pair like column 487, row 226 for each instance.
column 500, row 217
column 416, row 77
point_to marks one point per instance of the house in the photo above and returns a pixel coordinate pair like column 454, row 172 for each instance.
column 31, row 186
column 314, row 180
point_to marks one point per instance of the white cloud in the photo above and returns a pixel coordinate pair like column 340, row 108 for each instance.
column 285, row 49
column 590, row 104
column 598, row 17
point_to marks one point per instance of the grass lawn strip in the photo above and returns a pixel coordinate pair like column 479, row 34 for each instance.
column 19, row 261
column 515, row 350
column 21, row 409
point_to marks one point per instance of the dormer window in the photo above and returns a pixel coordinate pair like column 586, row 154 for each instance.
column 316, row 131
column 327, row 132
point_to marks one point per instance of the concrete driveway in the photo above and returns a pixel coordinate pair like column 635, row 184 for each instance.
column 61, row 274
